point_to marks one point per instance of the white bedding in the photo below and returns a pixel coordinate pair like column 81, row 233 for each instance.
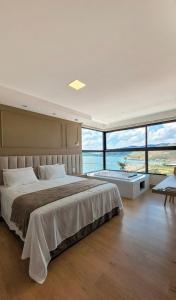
column 49, row 225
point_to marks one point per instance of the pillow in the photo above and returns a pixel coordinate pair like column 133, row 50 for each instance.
column 54, row 171
column 42, row 172
column 18, row 169
column 19, row 176
column 13, row 170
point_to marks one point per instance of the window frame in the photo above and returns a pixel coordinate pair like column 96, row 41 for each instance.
column 134, row 150
column 145, row 149
column 100, row 151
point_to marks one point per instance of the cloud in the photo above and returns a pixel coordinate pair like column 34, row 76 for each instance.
column 165, row 133
column 157, row 134
column 92, row 140
column 126, row 138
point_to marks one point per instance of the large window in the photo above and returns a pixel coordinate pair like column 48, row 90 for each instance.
column 125, row 150
column 161, row 161
column 92, row 139
column 126, row 161
column 92, row 145
column 149, row 148
column 92, row 161
column 162, row 148
column 162, row 135
column 129, row 138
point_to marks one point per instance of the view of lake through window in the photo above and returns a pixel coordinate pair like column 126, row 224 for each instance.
column 92, row 145
column 128, row 149
column 126, row 161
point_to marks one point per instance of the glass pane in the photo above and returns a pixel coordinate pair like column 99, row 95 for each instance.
column 129, row 138
column 126, row 161
column 92, row 139
column 162, row 162
column 92, row 161
column 162, row 135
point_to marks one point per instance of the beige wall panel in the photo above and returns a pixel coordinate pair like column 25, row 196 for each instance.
column 31, row 151
column 27, row 133
column 73, row 136
column 21, row 131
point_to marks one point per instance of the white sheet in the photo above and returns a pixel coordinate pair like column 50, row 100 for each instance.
column 49, row 225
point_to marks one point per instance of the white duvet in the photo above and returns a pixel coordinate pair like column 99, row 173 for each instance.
column 49, row 225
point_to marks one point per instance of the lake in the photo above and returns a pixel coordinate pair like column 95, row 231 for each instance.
column 94, row 162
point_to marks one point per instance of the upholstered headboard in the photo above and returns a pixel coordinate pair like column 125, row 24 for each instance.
column 73, row 162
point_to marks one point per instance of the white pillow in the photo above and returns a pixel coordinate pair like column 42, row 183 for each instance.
column 42, row 172
column 13, row 170
column 54, row 171
column 18, row 169
column 19, row 176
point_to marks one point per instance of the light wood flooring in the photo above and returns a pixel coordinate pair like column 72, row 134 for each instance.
column 132, row 257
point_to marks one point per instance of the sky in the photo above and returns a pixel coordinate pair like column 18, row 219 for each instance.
column 92, row 140
column 157, row 134
column 126, row 138
column 165, row 133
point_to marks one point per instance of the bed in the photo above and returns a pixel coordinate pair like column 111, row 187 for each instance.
column 54, row 227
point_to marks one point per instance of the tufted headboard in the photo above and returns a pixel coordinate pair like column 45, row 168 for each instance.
column 73, row 162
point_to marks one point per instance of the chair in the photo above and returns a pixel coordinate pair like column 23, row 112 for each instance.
column 171, row 194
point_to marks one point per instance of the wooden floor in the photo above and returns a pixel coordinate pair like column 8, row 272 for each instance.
column 129, row 258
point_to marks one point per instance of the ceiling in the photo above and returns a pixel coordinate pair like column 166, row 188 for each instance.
column 124, row 51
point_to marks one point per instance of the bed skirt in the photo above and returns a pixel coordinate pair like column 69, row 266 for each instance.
column 84, row 232
column 80, row 234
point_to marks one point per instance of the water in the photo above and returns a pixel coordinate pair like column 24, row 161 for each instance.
column 159, row 163
column 94, row 162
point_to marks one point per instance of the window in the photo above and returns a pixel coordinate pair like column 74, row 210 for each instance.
column 149, row 148
column 126, row 161
column 92, row 139
column 126, row 150
column 92, row 161
column 128, row 138
column 162, row 148
column 162, row 135
column 161, row 161
column 92, row 145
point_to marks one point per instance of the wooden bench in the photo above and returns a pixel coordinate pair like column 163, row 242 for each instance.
column 167, row 187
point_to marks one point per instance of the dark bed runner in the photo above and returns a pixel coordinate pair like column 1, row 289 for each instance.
column 25, row 204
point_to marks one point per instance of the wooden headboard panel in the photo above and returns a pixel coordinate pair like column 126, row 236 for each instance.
column 28, row 133
column 73, row 162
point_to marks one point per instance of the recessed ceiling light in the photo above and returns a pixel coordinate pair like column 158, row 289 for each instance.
column 77, row 85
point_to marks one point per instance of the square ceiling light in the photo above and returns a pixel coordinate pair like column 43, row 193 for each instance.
column 77, row 85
